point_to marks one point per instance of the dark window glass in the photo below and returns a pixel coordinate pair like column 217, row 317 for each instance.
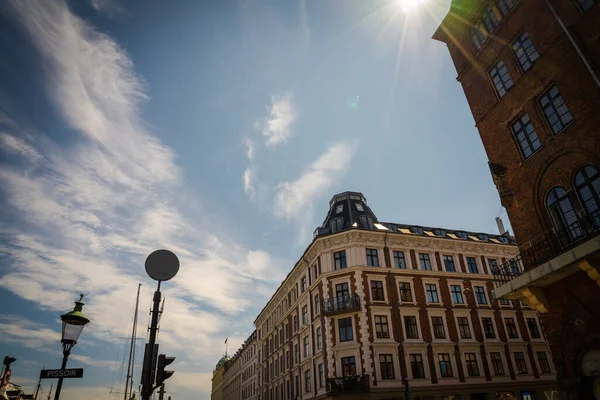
column 488, row 328
column 317, row 304
column 555, row 110
column 399, row 260
column 432, row 293
column 464, row 328
column 307, row 380
column 457, row 296
column 321, row 376
column 586, row 4
column 319, row 339
column 348, row 366
column 587, row 185
column 410, row 324
column 425, row 261
column 295, row 323
column 492, row 264
column 305, row 346
column 472, row 367
column 372, row 258
column 477, row 37
column 381, row 327
column 490, row 20
column 563, row 215
column 359, row 207
column 461, row 235
column 416, row 229
column 480, row 295
column 342, row 290
column 449, row 264
column 405, row 292
column 472, row 265
column 303, row 284
column 524, row 51
column 377, row 291
column 438, row 327
column 534, row 331
column 304, row 315
column 416, row 366
column 386, row 364
column 336, row 224
column 500, row 78
column 339, row 260
column 445, row 365
column 521, row 364
column 505, row 6
column 543, row 361
column 497, row 365
column 345, row 326
column 505, row 302
column 525, row 135
column 511, row 328
column 296, row 353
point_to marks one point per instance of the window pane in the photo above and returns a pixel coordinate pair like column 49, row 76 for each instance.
column 524, row 51
column 490, row 20
column 405, row 292
column 386, row 364
column 472, row 265
column 445, row 366
column 449, row 264
column 399, row 261
column 410, row 325
column 425, row 261
column 339, row 259
column 372, row 258
column 555, row 110
column 416, row 365
column 432, row 294
column 457, row 296
column 500, row 78
column 526, row 136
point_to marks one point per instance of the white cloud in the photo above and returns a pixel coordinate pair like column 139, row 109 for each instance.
column 248, row 177
column 294, row 199
column 22, row 331
column 250, row 150
column 277, row 126
column 91, row 212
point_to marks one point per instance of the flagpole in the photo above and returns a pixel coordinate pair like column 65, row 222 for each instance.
column 226, row 347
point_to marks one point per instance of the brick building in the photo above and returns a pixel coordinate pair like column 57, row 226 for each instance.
column 373, row 307
column 530, row 73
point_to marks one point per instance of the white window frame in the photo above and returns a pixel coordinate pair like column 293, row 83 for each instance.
column 455, row 259
column 432, row 260
column 472, row 349
column 466, row 314
column 477, row 262
column 543, row 347
column 411, row 312
column 438, row 312
column 511, row 314
column 497, row 348
column 422, row 350
column 520, row 347
column 488, row 296
column 393, row 350
column 533, row 314
column 436, row 282
column 488, row 314
column 461, row 283
column 407, row 258
column 382, row 311
column 410, row 281
column 445, row 348
column 383, row 279
column 339, row 354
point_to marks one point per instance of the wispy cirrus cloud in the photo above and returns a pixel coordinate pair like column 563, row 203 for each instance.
column 90, row 212
column 277, row 126
column 248, row 176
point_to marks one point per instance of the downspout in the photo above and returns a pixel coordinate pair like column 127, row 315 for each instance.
column 573, row 42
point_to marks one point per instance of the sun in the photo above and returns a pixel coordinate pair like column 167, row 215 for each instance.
column 409, row 5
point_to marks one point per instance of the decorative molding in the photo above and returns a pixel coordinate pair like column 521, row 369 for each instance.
column 535, row 298
column 590, row 270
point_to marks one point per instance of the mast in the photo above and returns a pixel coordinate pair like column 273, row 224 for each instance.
column 130, row 365
column 50, row 393
column 37, row 390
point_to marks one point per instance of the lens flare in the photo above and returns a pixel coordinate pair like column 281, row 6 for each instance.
column 409, row 5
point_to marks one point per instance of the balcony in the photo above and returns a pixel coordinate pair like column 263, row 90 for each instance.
column 341, row 304
column 549, row 257
column 348, row 384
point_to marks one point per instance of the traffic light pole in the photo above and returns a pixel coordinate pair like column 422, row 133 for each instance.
column 147, row 387
column 161, row 392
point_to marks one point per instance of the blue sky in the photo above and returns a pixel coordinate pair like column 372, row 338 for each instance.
column 219, row 130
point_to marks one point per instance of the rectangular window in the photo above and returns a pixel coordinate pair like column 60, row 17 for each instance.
column 377, row 291
column 372, row 258
column 464, row 328
column 445, row 365
column 432, row 293
column 345, row 327
column 405, row 292
column 472, row 367
column 555, row 110
column 521, row 364
column 296, row 353
column 381, row 327
column 511, row 328
column 304, row 315
column 348, row 366
column 321, row 375
column 281, row 363
column 410, row 324
column 336, row 224
column 497, row 365
column 488, row 328
column 305, row 346
column 472, row 265
column 287, row 359
column 500, row 78
column 505, row 6
column 449, row 264
column 425, row 261
column 295, row 318
column 303, row 284
column 386, row 364
column 317, row 304
column 416, row 366
column 585, row 4
column 492, row 264
column 399, row 260
column 480, row 295
column 525, row 135
column 505, row 302
column 438, row 327
column 281, row 336
column 524, row 51
column 490, row 20
column 339, row 260
column 342, row 290
column 533, row 328
column 477, row 37
column 457, row 296
column 543, row 361
column 319, row 338
column 307, row 380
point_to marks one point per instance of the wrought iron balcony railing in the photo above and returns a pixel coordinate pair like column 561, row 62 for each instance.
column 550, row 244
column 346, row 384
column 341, row 304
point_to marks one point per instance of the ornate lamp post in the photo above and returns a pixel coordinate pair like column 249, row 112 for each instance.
column 72, row 325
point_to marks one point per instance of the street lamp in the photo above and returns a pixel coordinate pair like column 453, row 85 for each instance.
column 72, row 325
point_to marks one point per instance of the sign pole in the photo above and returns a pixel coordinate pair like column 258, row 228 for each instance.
column 66, row 352
column 147, row 384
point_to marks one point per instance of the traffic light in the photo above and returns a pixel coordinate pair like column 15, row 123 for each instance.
column 161, row 374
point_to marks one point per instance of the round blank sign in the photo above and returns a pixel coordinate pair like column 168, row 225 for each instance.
column 162, row 265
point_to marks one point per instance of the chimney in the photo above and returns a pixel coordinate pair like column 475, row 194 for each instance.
column 500, row 225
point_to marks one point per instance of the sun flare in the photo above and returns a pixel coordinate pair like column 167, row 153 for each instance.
column 409, row 5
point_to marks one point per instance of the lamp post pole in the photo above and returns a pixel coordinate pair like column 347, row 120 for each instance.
column 66, row 352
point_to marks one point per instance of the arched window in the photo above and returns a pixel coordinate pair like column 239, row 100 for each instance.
column 564, row 218
column 587, row 185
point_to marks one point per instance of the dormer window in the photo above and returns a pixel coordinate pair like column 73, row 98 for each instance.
column 367, row 222
column 336, row 225
column 461, row 235
column 416, row 229
column 503, row 239
column 439, row 232
column 482, row 236
column 339, row 208
column 359, row 207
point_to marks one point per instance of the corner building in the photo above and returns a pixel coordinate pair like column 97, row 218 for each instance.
column 240, row 372
column 373, row 309
column 530, row 71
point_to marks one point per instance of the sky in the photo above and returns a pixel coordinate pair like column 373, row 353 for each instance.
column 218, row 130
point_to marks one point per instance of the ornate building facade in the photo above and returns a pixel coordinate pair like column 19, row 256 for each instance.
column 530, row 71
column 376, row 310
column 240, row 372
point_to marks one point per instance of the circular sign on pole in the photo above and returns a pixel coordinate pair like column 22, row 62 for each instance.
column 162, row 265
